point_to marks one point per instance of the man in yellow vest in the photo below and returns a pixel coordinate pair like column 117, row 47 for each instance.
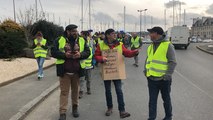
column 40, row 52
column 70, row 51
column 159, row 67
column 111, row 42
column 88, row 66
column 136, row 43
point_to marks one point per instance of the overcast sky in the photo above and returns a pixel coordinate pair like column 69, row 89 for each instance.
column 107, row 12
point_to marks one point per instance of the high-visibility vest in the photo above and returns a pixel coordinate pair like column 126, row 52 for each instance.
column 104, row 46
column 39, row 51
column 62, row 43
column 88, row 61
column 135, row 42
column 157, row 63
column 99, row 40
column 120, row 39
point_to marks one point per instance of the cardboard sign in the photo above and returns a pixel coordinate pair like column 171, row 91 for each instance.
column 114, row 68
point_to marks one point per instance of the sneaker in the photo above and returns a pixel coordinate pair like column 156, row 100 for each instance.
column 62, row 117
column 124, row 114
column 81, row 94
column 108, row 112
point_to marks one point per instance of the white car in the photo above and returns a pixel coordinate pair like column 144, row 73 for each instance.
column 207, row 40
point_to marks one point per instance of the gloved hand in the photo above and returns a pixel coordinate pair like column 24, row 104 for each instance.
column 167, row 77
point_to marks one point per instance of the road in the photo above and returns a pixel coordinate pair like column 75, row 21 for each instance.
column 192, row 92
column 17, row 94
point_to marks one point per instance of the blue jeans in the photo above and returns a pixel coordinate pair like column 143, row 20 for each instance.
column 120, row 99
column 40, row 61
column 154, row 88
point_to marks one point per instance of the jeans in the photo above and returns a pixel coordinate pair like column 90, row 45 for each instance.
column 163, row 86
column 40, row 61
column 136, row 59
column 118, row 89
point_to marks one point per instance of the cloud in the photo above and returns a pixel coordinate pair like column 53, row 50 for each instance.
column 130, row 19
column 170, row 4
column 102, row 17
column 210, row 9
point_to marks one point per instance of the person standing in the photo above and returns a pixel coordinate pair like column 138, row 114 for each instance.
column 159, row 67
column 88, row 67
column 70, row 51
column 40, row 52
column 136, row 43
column 112, row 43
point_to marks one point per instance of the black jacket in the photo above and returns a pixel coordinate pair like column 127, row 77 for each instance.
column 56, row 53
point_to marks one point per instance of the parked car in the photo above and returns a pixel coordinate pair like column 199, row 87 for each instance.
column 207, row 40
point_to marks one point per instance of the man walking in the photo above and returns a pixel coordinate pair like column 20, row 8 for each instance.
column 136, row 43
column 70, row 50
column 112, row 43
column 159, row 67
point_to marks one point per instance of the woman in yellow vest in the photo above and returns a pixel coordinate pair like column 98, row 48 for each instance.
column 40, row 52
column 159, row 67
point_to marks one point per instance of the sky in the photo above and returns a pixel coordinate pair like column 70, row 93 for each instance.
column 109, row 13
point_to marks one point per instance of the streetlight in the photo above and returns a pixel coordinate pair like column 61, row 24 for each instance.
column 141, row 19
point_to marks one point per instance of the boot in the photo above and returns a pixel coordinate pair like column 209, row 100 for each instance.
column 88, row 91
column 81, row 94
column 124, row 114
column 62, row 117
column 75, row 111
column 108, row 112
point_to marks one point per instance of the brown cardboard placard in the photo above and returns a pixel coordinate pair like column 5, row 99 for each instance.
column 114, row 68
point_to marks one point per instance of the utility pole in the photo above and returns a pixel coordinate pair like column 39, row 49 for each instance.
column 90, row 27
column 173, row 12
column 165, row 19
column 82, row 27
column 14, row 10
column 124, row 18
column 141, row 20
column 145, row 19
column 36, row 9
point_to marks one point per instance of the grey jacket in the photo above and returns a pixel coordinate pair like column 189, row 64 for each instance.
column 171, row 60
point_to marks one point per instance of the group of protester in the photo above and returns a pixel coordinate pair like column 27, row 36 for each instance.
column 77, row 54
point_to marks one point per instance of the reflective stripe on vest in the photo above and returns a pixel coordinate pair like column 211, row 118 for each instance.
column 135, row 42
column 103, row 47
column 39, row 51
column 62, row 43
column 157, row 63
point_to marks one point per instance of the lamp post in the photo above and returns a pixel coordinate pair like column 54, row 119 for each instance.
column 141, row 19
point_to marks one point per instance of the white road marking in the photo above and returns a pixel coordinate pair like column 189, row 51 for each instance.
column 187, row 80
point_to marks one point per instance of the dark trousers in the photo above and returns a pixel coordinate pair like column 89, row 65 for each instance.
column 120, row 99
column 154, row 88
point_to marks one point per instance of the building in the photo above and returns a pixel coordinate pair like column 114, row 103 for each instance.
column 202, row 28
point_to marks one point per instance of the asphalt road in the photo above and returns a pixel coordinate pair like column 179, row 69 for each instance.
column 17, row 94
column 192, row 92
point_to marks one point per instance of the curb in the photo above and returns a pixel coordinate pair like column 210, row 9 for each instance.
column 25, row 110
column 23, row 76
column 204, row 50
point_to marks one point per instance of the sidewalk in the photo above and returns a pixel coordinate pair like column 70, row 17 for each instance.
column 208, row 48
column 19, row 68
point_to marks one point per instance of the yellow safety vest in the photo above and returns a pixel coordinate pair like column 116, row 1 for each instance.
column 99, row 40
column 39, row 51
column 62, row 43
column 157, row 63
column 88, row 61
column 135, row 42
column 104, row 46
